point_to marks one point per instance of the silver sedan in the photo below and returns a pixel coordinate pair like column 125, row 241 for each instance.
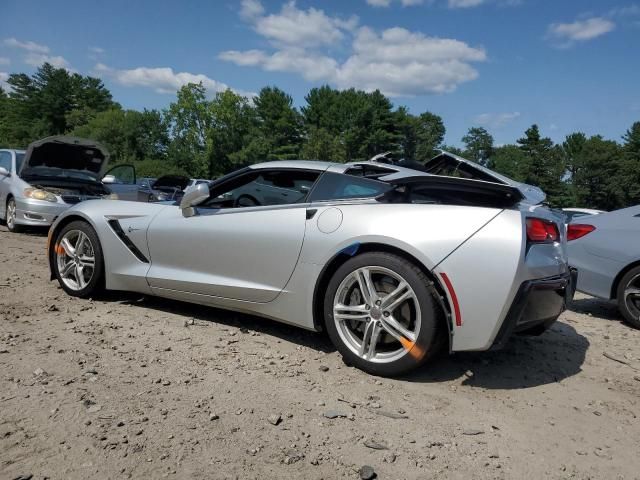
column 605, row 249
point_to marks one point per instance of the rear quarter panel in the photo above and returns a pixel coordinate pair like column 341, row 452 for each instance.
column 487, row 271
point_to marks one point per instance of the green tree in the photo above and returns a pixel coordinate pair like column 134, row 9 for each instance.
column 510, row 161
column 129, row 135
column 323, row 145
column 629, row 175
column 43, row 104
column 430, row 134
column 279, row 123
column 233, row 122
column 190, row 120
column 479, row 145
column 543, row 167
column 594, row 183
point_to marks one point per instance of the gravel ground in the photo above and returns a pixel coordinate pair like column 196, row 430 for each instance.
column 139, row 387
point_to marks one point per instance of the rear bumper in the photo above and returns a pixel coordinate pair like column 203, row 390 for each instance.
column 536, row 306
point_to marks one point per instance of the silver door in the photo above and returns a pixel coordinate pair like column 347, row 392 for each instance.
column 239, row 253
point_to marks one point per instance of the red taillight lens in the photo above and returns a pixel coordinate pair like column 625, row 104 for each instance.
column 541, row 231
column 578, row 230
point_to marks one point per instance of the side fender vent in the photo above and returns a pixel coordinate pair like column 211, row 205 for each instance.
column 117, row 228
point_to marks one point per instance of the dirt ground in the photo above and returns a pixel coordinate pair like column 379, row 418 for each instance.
column 140, row 387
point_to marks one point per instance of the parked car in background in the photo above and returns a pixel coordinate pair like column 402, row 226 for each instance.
column 573, row 213
column 53, row 174
column 605, row 249
column 391, row 262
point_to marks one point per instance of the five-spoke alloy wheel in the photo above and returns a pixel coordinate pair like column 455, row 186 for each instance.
column 381, row 314
column 629, row 297
column 78, row 259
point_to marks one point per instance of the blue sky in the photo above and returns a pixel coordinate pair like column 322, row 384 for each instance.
column 568, row 65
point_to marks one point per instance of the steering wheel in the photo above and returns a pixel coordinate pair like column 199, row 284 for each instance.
column 245, row 200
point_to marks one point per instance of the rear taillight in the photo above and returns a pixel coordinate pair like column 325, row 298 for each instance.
column 541, row 231
column 578, row 230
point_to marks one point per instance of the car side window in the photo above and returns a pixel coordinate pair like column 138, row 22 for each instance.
column 5, row 160
column 262, row 188
column 337, row 186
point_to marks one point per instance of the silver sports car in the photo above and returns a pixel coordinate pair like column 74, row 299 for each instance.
column 605, row 249
column 393, row 263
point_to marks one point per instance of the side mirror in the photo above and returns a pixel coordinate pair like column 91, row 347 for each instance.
column 4, row 172
column 108, row 179
column 193, row 196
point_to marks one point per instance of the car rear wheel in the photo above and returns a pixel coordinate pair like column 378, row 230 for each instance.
column 10, row 217
column 78, row 260
column 382, row 315
column 629, row 297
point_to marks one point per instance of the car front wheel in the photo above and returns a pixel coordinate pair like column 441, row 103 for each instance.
column 77, row 260
column 382, row 315
column 10, row 216
column 629, row 297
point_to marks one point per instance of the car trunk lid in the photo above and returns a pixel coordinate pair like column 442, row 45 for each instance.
column 449, row 164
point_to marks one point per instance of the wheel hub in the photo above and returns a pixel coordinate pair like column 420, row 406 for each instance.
column 376, row 313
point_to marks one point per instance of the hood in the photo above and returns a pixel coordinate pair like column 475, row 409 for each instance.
column 63, row 157
column 171, row 181
column 448, row 164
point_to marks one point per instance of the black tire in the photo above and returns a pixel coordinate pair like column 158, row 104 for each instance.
column 11, row 224
column 629, row 307
column 431, row 333
column 95, row 284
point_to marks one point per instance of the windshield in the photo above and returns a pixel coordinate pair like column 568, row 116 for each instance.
column 19, row 160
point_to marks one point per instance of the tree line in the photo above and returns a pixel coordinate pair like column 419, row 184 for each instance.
column 207, row 137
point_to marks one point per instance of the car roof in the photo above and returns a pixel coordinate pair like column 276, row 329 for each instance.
column 395, row 171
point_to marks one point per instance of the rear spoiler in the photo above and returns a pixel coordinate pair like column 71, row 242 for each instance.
column 452, row 190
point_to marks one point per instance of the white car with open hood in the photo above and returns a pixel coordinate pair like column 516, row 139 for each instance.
column 53, row 174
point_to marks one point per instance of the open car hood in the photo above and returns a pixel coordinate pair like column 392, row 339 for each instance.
column 63, row 157
column 171, row 182
column 451, row 165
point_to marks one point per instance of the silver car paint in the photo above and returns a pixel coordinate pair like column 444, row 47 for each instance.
column 29, row 211
column 602, row 254
column 240, row 261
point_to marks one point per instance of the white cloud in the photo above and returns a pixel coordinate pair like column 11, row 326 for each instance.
column 251, row 9
column 312, row 67
column 97, row 50
column 386, row 3
column 37, row 59
column 496, row 120
column 400, row 62
column 4, row 76
column 28, row 45
column 566, row 34
column 293, row 27
column 161, row 80
column 37, row 54
column 464, row 3
column 4, row 61
column 396, row 61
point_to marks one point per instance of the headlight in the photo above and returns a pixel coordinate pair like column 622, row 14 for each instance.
column 38, row 194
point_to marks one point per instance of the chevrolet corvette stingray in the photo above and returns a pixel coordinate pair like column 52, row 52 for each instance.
column 393, row 263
